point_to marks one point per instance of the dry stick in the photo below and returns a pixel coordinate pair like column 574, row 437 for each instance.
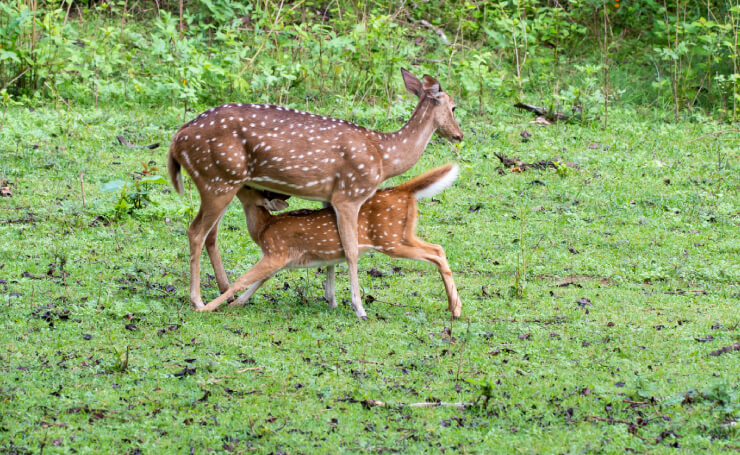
column 433, row 404
column 715, row 133
column 606, row 72
column 734, row 62
column 7, row 84
column 82, row 188
column 181, row 2
column 613, row 421
column 243, row 370
column 436, row 30
column 675, row 62
column 123, row 19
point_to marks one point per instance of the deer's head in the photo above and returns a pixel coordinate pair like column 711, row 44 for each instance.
column 442, row 104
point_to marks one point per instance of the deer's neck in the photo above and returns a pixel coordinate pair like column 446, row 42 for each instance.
column 402, row 149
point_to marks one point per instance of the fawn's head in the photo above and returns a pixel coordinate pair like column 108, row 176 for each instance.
column 442, row 104
column 273, row 202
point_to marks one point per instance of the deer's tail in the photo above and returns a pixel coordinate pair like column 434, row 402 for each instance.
column 173, row 166
column 432, row 182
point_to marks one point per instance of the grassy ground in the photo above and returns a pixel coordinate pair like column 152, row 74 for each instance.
column 593, row 299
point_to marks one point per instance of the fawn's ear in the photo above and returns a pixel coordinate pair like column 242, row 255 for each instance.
column 275, row 205
column 432, row 87
column 413, row 84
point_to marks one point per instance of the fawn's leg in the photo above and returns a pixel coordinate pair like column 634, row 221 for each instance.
column 429, row 252
column 329, row 291
column 207, row 218
column 329, row 288
column 347, row 212
column 244, row 298
column 260, row 272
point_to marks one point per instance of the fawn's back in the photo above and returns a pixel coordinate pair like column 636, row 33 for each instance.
column 311, row 238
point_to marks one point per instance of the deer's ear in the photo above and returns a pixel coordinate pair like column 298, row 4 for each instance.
column 275, row 205
column 431, row 87
column 413, row 84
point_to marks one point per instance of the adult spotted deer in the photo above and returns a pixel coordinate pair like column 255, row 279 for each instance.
column 299, row 154
column 309, row 238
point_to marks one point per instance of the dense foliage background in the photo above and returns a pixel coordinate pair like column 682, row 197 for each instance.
column 576, row 54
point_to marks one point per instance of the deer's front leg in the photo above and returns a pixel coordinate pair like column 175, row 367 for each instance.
column 347, row 213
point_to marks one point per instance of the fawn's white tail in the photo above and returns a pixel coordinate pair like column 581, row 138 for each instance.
column 433, row 182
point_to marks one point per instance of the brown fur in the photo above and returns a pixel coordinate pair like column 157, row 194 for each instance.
column 306, row 238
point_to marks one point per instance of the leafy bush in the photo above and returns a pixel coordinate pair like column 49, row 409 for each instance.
column 217, row 50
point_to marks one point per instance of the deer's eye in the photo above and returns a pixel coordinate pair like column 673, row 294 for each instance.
column 453, row 109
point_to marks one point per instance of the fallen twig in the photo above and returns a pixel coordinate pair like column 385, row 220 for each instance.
column 632, row 426
column 82, row 188
column 125, row 142
column 687, row 291
column 28, row 219
column 244, row 370
column 436, row 30
column 430, row 404
column 715, row 133
column 547, row 113
column 732, row 347
column 517, row 165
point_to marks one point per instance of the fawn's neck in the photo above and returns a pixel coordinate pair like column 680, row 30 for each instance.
column 402, row 149
column 257, row 218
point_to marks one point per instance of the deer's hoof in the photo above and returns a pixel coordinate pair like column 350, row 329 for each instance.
column 364, row 318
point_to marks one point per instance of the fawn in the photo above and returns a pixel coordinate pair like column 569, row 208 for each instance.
column 299, row 154
column 309, row 238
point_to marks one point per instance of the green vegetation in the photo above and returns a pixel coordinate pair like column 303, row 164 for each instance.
column 581, row 55
column 600, row 294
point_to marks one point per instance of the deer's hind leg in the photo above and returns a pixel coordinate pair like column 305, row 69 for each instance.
column 218, row 266
column 210, row 212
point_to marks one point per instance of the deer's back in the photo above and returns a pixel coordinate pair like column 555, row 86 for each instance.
column 276, row 148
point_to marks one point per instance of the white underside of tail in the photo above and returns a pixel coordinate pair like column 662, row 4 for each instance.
column 440, row 185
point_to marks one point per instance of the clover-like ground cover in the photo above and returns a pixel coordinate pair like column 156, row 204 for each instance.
column 600, row 301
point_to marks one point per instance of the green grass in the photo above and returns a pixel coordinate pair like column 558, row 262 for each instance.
column 646, row 227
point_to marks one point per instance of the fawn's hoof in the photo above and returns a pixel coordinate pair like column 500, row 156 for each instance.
column 364, row 318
